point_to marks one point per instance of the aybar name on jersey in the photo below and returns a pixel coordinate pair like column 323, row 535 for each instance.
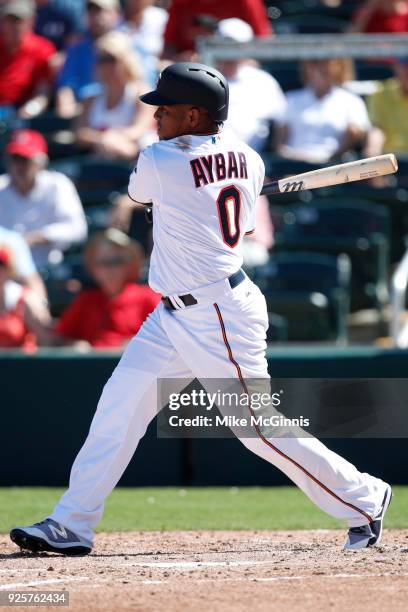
column 218, row 167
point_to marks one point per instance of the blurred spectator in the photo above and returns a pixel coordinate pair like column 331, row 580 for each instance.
column 22, row 315
column 76, row 81
column 55, row 23
column 109, row 315
column 256, row 246
column 145, row 23
column 115, row 124
column 323, row 120
column 24, row 266
column 256, row 98
column 382, row 16
column 181, row 29
column 41, row 205
column 388, row 109
column 25, row 60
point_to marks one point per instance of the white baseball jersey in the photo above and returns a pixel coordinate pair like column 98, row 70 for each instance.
column 203, row 190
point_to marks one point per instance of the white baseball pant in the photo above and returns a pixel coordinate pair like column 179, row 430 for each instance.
column 223, row 336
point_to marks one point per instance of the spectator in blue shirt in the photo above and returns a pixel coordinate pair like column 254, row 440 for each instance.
column 76, row 81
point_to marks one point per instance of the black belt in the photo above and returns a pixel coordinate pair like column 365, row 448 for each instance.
column 189, row 300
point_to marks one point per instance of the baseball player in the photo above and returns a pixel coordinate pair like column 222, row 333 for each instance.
column 202, row 186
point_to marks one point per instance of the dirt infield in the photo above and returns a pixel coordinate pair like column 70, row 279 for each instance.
column 228, row 571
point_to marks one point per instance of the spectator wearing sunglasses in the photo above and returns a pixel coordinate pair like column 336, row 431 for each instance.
column 76, row 81
column 115, row 124
column 110, row 314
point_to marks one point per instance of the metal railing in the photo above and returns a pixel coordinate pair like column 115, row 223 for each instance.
column 305, row 46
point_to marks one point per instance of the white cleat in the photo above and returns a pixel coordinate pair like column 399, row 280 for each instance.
column 369, row 535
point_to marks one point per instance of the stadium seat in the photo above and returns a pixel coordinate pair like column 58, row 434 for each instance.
column 96, row 174
column 402, row 174
column 97, row 181
column 278, row 328
column 395, row 199
column 71, row 166
column 91, row 198
column 372, row 71
column 278, row 167
column 49, row 122
column 310, row 290
column 285, row 72
column 58, row 132
column 97, row 217
column 360, row 229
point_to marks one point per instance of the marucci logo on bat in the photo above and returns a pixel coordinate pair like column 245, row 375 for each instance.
column 293, row 186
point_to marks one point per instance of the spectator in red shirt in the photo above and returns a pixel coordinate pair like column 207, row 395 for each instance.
column 25, row 60
column 380, row 16
column 23, row 316
column 181, row 30
column 109, row 315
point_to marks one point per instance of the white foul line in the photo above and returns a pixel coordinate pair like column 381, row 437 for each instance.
column 279, row 578
column 195, row 564
column 318, row 576
column 11, row 570
column 19, row 585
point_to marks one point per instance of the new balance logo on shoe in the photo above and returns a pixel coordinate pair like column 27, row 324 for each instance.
column 58, row 532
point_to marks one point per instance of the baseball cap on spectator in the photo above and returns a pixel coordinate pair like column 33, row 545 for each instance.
column 23, row 9
column 105, row 4
column 29, row 144
column 235, row 29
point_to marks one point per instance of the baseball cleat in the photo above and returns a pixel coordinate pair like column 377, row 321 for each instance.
column 49, row 536
column 369, row 535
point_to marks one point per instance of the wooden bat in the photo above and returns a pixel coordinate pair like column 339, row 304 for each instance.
column 335, row 175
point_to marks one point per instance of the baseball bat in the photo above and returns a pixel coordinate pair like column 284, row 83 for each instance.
column 334, row 175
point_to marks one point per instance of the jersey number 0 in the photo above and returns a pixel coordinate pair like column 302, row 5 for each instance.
column 229, row 208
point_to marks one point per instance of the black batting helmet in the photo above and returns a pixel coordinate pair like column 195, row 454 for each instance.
column 192, row 83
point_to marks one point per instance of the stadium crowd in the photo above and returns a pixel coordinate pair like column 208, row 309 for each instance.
column 73, row 248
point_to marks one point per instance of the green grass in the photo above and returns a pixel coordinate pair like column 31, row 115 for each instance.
column 150, row 509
